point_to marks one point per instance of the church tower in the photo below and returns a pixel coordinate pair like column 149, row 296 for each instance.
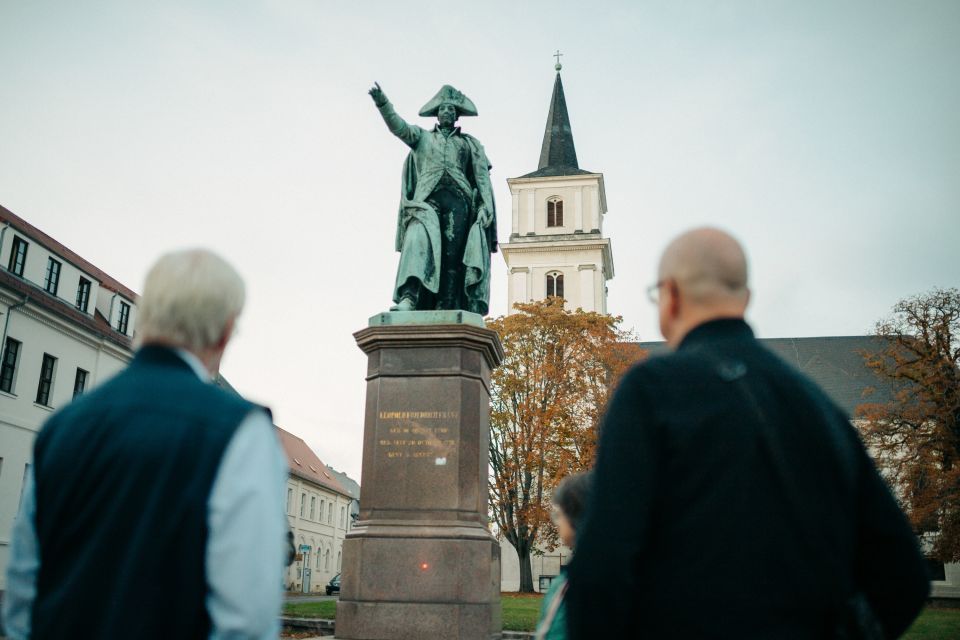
column 556, row 242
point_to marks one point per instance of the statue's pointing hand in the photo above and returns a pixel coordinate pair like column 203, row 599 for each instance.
column 379, row 97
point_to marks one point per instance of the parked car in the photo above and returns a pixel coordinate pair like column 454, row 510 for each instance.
column 334, row 585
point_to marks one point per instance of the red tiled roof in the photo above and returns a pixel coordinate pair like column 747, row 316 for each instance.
column 95, row 323
column 28, row 229
column 305, row 464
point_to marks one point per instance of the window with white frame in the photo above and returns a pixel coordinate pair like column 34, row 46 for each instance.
column 52, row 280
column 555, row 212
column 8, row 371
column 18, row 256
column 555, row 284
column 83, row 295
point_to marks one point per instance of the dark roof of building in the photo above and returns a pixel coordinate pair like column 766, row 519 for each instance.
column 558, row 156
column 24, row 227
column 348, row 483
column 305, row 464
column 95, row 323
column 835, row 363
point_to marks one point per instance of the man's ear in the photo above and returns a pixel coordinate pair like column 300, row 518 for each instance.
column 227, row 334
column 674, row 303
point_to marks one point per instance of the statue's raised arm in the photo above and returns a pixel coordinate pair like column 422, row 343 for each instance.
column 397, row 125
column 446, row 227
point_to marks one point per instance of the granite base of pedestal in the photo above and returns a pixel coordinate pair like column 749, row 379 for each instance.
column 420, row 562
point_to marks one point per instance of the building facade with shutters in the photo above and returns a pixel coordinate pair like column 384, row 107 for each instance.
column 556, row 246
column 67, row 327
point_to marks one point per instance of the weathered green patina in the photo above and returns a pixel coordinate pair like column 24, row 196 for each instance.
column 447, row 224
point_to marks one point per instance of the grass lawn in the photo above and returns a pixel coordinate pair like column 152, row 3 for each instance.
column 323, row 609
column 935, row 624
column 520, row 613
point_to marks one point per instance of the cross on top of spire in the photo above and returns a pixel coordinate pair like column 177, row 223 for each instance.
column 558, row 55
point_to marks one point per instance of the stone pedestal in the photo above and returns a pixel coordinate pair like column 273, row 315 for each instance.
column 421, row 563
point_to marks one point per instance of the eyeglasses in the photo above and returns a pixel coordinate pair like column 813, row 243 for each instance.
column 653, row 291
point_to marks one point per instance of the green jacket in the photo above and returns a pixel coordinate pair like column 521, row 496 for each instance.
column 555, row 628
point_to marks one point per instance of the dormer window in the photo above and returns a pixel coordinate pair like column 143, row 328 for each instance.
column 555, row 284
column 555, row 212
column 18, row 256
column 52, row 281
column 83, row 295
column 124, row 320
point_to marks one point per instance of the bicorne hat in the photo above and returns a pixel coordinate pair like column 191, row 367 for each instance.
column 464, row 105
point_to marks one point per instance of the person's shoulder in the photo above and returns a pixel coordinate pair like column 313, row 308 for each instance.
column 668, row 368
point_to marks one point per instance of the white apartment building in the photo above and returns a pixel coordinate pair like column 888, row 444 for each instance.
column 318, row 509
column 67, row 326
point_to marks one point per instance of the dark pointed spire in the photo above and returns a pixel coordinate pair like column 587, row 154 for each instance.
column 558, row 150
column 558, row 156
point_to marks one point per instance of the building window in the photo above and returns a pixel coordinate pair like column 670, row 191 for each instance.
column 289, row 499
column 329, row 513
column 83, row 295
column 343, row 514
column 339, row 557
column 936, row 569
column 555, row 284
column 18, row 256
column 46, row 379
column 8, row 372
column 318, row 558
column 52, row 280
column 326, row 560
column 80, row 382
column 124, row 318
column 303, row 503
column 554, row 212
column 313, row 507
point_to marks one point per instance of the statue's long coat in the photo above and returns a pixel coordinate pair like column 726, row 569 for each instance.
column 418, row 225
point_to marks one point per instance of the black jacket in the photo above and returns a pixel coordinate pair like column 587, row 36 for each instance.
column 123, row 477
column 689, row 533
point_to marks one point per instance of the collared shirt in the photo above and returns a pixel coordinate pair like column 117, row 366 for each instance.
column 246, row 548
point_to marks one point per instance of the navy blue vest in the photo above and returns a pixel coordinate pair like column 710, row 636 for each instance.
column 123, row 476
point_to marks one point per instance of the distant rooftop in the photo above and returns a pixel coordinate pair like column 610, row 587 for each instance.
column 835, row 363
column 305, row 464
column 106, row 281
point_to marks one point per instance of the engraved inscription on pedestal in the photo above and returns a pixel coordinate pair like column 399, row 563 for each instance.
column 419, row 434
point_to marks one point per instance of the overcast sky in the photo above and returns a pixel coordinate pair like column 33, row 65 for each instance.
column 825, row 135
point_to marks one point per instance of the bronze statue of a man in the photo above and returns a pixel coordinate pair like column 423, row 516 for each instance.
column 447, row 225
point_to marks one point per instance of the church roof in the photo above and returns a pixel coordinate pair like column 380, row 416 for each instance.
column 558, row 156
column 835, row 363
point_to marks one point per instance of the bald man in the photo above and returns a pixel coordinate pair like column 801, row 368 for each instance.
column 732, row 498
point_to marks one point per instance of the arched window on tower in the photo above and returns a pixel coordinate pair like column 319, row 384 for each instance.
column 555, row 212
column 555, row 284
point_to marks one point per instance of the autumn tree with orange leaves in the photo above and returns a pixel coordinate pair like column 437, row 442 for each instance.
column 546, row 401
column 915, row 437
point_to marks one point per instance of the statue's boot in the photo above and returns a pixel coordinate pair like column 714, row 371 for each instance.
column 405, row 304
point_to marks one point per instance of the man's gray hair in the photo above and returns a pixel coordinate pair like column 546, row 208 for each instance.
column 189, row 298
